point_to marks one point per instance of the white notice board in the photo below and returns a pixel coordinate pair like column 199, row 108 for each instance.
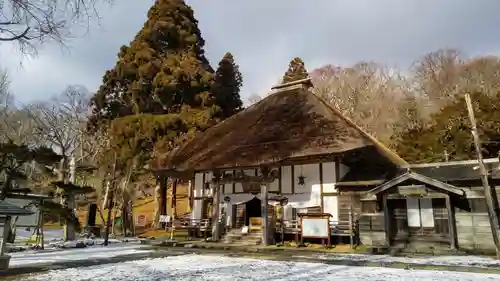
column 315, row 227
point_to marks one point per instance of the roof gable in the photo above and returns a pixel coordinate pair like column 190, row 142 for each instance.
column 439, row 185
column 13, row 210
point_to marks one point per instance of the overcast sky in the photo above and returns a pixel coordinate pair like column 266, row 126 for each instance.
column 264, row 35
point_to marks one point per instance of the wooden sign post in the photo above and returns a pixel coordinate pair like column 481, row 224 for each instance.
column 315, row 226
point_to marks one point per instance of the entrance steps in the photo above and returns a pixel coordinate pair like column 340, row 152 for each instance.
column 237, row 237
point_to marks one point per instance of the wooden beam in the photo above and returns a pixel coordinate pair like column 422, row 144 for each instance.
column 321, row 186
column 264, row 203
column 330, row 194
column 167, row 173
column 280, row 188
column 242, row 178
column 234, row 184
column 387, row 220
column 216, row 212
column 308, row 160
column 337, row 169
column 451, row 223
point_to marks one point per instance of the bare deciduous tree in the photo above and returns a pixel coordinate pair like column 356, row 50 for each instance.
column 367, row 93
column 15, row 124
column 60, row 122
column 437, row 76
column 28, row 22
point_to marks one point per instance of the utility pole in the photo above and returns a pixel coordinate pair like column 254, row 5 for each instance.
column 110, row 193
column 488, row 191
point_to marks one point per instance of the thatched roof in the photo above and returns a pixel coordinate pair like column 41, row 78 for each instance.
column 290, row 123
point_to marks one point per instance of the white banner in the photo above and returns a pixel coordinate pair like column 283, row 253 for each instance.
column 426, row 212
column 413, row 212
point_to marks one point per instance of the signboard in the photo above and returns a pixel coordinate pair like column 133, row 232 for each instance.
column 253, row 188
column 255, row 223
column 164, row 218
column 412, row 190
column 141, row 220
column 315, row 227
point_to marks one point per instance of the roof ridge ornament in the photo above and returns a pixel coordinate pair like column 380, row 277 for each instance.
column 305, row 83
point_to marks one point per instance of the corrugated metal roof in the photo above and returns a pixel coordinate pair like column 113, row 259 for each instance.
column 12, row 210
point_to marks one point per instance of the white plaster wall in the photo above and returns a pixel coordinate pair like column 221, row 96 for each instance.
column 198, row 184
column 198, row 193
column 330, row 203
column 311, row 174
column 343, row 169
column 275, row 186
column 309, row 194
column 197, row 209
column 329, row 177
column 312, row 185
column 330, row 206
column 227, row 189
column 286, row 179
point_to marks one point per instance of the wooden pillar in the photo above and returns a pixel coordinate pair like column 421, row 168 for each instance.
column 265, row 224
column 6, row 231
column 173, row 206
column 216, row 212
column 387, row 220
column 451, row 223
column 162, row 183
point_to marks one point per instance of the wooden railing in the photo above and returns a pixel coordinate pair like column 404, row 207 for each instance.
column 348, row 228
column 187, row 223
column 338, row 228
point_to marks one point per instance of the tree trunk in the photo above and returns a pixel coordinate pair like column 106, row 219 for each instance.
column 160, row 201
column 113, row 220
column 174, row 204
column 126, row 197
column 124, row 220
column 101, row 215
column 132, row 223
column 5, row 235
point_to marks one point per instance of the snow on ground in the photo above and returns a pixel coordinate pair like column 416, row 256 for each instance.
column 36, row 257
column 475, row 261
column 50, row 234
column 202, row 268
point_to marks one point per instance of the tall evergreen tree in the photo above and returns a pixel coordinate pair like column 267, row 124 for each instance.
column 163, row 69
column 227, row 84
column 296, row 71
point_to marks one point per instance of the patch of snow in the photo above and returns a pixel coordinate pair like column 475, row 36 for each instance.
column 82, row 243
column 48, row 256
column 50, row 234
column 475, row 261
column 196, row 267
